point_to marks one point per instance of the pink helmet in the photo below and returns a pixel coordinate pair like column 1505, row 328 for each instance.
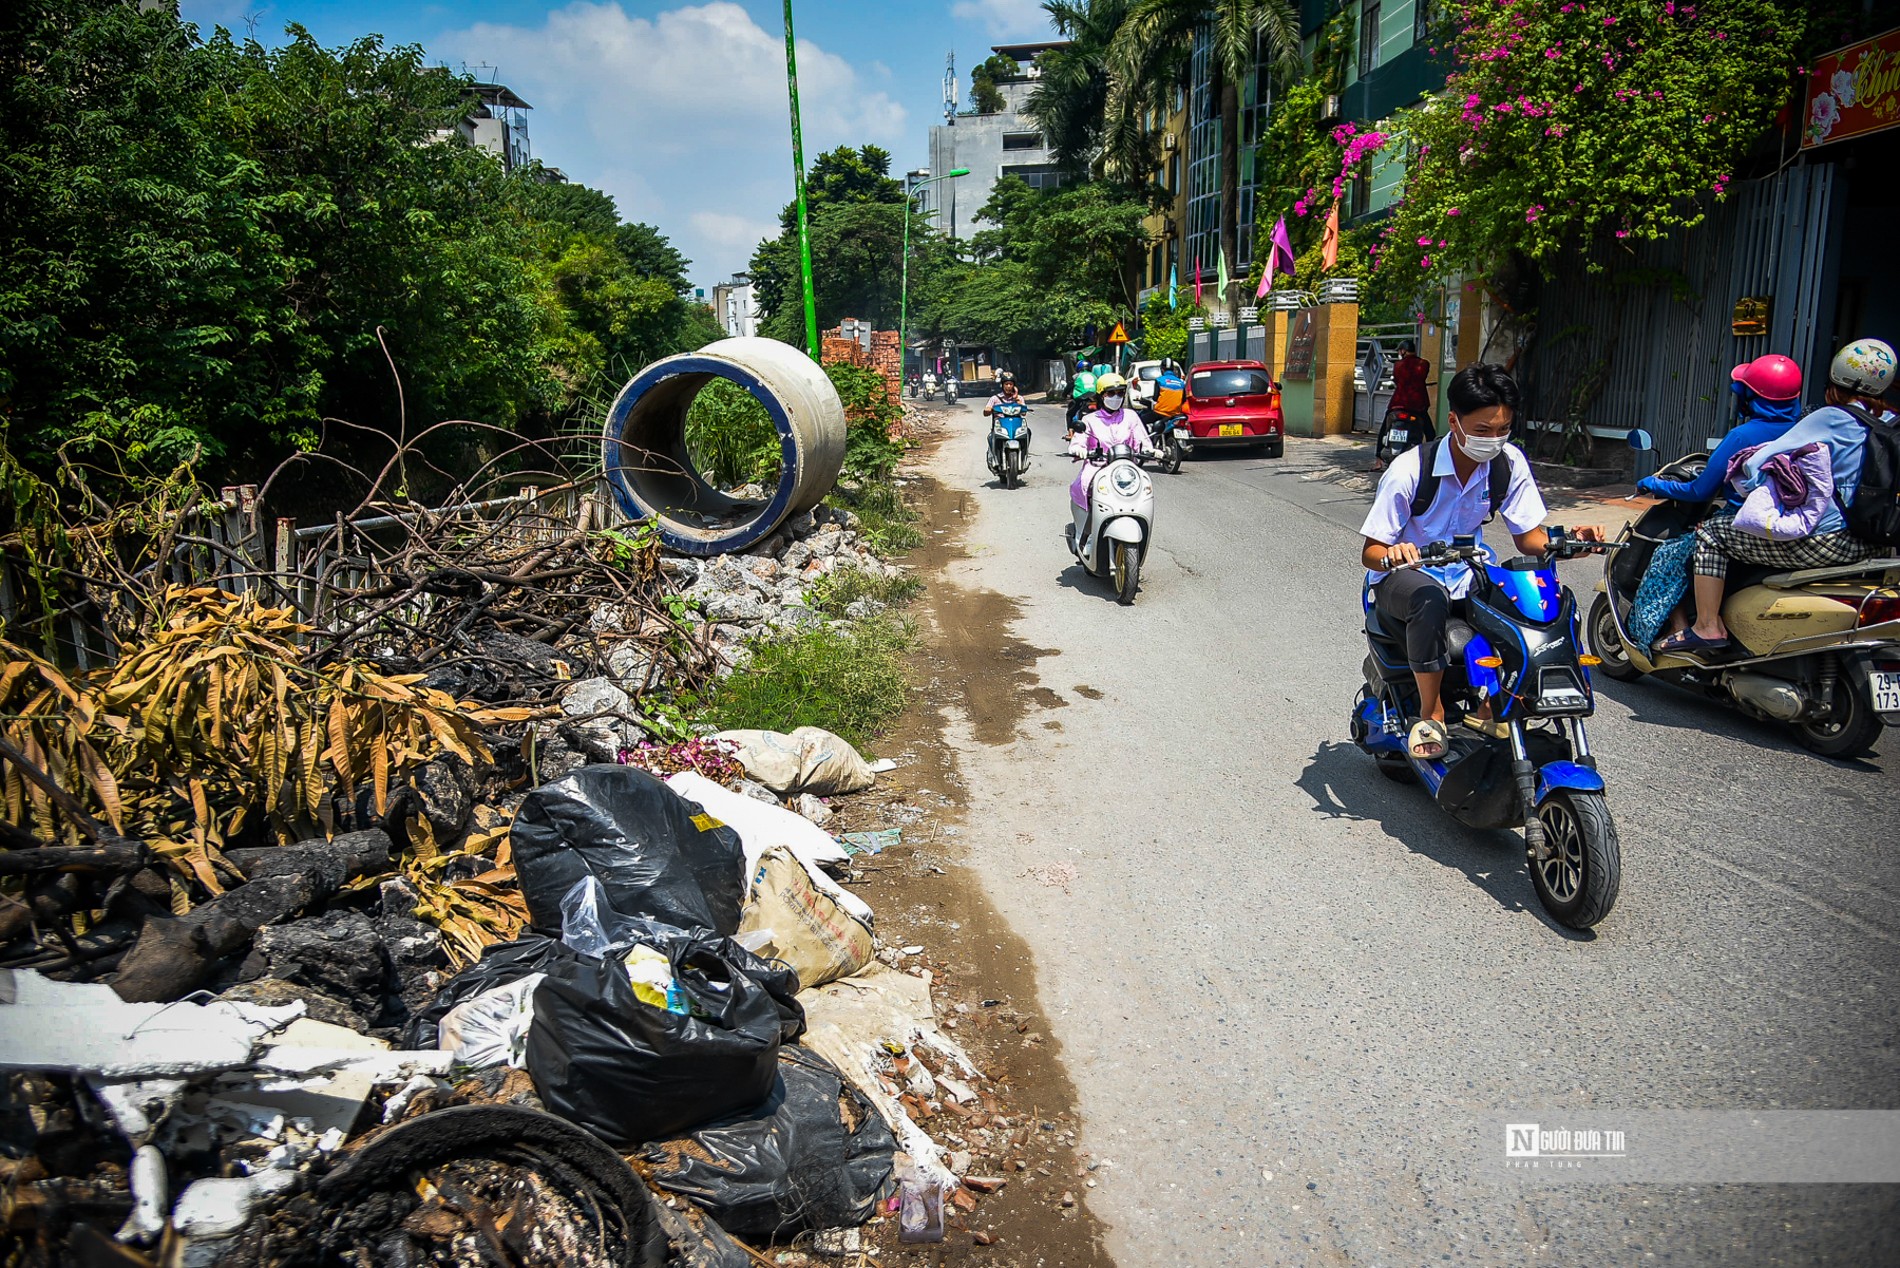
column 1773, row 377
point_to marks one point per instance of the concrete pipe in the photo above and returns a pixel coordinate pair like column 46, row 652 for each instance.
column 652, row 475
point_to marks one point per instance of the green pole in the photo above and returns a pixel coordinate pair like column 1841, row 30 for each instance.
column 903, row 295
column 798, row 173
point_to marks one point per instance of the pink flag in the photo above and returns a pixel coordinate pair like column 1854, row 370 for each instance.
column 1197, row 281
column 1280, row 258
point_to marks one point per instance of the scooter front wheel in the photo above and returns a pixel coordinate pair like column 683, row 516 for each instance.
column 1012, row 469
column 1578, row 879
column 1126, row 562
column 1608, row 644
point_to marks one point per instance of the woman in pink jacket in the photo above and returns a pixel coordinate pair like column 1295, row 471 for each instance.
column 1108, row 428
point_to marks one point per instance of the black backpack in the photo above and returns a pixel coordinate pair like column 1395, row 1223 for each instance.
column 1874, row 514
column 1500, row 476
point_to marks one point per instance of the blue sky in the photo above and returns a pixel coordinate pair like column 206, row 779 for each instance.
column 678, row 109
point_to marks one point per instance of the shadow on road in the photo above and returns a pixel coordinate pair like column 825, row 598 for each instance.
column 1656, row 703
column 1344, row 784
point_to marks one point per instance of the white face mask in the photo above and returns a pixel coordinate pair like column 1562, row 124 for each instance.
column 1112, row 401
column 1480, row 448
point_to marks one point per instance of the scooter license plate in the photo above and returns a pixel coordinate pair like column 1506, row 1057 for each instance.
column 1398, row 437
column 1012, row 444
column 1230, row 429
column 1181, row 433
column 1886, row 692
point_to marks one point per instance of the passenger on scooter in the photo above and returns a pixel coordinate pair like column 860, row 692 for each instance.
column 1082, row 400
column 1111, row 427
column 1858, row 376
column 1768, row 402
column 1483, row 402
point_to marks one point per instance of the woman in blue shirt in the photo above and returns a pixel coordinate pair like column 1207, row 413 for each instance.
column 1767, row 403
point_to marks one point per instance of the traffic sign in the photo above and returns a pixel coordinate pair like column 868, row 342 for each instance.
column 1118, row 335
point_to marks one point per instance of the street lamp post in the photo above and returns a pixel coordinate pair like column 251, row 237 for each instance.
column 903, row 292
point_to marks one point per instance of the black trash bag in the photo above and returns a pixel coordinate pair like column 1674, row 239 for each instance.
column 500, row 965
column 693, row 1240
column 657, row 854
column 630, row 1072
column 816, row 1154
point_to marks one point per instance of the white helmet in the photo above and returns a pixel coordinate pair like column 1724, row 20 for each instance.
column 1865, row 366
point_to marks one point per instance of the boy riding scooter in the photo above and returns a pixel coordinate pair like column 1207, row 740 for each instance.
column 1437, row 492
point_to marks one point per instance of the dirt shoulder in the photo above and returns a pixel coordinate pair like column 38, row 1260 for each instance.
column 983, row 981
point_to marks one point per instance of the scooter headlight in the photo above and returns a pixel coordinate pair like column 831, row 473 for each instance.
column 1125, row 480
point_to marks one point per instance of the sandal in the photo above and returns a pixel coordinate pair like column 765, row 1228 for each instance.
column 1688, row 641
column 1487, row 726
column 1427, row 740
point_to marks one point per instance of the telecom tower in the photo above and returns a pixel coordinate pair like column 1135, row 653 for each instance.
column 950, row 89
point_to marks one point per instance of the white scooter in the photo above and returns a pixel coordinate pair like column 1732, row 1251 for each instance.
column 1110, row 537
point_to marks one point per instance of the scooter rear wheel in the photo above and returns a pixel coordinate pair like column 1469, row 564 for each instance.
column 1172, row 462
column 1578, row 883
column 1608, row 644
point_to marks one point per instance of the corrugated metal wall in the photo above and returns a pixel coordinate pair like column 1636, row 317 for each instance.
column 1655, row 325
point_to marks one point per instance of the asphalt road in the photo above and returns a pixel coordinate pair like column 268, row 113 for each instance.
column 1298, row 1003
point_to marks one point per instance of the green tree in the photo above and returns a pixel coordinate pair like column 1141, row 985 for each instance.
column 210, row 244
column 1054, row 262
column 1094, row 117
column 1567, row 125
column 1147, row 48
column 985, row 96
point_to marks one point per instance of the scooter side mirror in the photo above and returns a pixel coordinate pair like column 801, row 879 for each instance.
column 1641, row 441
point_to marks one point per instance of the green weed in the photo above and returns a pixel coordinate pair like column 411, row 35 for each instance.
column 836, row 591
column 850, row 682
column 885, row 519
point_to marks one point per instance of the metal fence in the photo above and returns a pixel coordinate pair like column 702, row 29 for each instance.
column 1653, row 328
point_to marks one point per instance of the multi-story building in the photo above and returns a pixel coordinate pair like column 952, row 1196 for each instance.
column 1200, row 248
column 1166, row 228
column 735, row 305
column 1390, row 69
column 494, row 123
column 992, row 146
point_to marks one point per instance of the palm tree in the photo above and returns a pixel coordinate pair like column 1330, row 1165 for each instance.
column 1072, row 99
column 1146, row 48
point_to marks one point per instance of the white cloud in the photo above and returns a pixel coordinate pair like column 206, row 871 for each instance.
column 1006, row 19
column 682, row 117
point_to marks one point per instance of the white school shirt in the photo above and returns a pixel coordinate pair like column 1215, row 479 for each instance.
column 1456, row 509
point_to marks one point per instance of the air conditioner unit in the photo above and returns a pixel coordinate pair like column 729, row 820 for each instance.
column 1169, row 140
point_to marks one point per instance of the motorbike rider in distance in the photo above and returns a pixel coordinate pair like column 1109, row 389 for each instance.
column 1473, row 475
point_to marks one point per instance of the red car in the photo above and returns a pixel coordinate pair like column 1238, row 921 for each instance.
column 1235, row 403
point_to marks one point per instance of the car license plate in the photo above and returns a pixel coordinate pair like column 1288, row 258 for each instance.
column 1398, row 437
column 1230, row 429
column 1012, row 444
column 1886, row 692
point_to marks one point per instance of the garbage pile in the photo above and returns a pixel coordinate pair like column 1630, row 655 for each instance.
column 691, row 1042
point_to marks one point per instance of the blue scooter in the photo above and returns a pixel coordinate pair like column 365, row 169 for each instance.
column 1518, row 650
column 1009, row 441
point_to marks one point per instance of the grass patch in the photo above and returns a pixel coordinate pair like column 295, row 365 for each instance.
column 730, row 438
column 850, row 682
column 832, row 593
column 884, row 518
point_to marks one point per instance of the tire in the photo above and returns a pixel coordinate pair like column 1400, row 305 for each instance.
column 1012, row 470
column 1396, row 769
column 1172, row 463
column 1607, row 645
column 1851, row 726
column 1578, row 883
column 1277, row 449
column 1125, row 569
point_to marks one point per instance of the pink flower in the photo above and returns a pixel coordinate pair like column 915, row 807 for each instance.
column 1622, row 233
column 1609, row 22
column 1424, row 242
column 1552, row 54
column 1424, row 261
column 1451, row 211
